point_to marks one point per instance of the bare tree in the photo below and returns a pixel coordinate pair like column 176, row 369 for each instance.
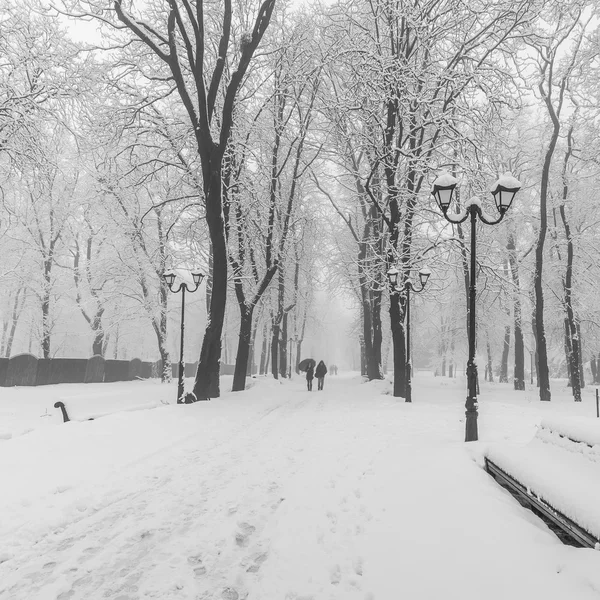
column 183, row 45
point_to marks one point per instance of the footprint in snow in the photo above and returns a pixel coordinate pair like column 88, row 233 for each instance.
column 257, row 561
column 198, row 567
column 358, row 565
column 242, row 536
column 66, row 544
column 335, row 575
column 332, row 520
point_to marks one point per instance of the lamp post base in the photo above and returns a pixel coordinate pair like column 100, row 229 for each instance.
column 180, row 388
column 408, row 397
column 471, row 434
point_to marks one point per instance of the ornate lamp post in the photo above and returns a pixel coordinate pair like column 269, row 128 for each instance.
column 503, row 191
column 424, row 274
column 183, row 287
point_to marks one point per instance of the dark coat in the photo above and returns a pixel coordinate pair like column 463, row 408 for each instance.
column 321, row 370
column 310, row 372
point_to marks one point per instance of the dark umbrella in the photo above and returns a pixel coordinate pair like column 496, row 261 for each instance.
column 303, row 365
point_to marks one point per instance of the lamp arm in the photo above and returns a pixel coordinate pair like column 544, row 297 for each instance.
column 485, row 220
column 456, row 221
column 410, row 285
column 182, row 285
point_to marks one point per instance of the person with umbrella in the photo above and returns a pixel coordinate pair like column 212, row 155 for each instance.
column 310, row 375
column 308, row 365
column 320, row 372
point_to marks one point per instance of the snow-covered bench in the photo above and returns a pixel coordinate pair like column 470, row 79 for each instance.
column 557, row 475
column 93, row 406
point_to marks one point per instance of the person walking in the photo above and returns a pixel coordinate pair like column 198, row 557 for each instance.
column 310, row 375
column 320, row 372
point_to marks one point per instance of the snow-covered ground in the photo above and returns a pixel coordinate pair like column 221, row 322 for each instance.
column 275, row 494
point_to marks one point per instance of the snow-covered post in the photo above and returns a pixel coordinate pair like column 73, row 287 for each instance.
column 503, row 191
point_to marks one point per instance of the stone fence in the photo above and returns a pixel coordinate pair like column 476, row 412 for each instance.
column 27, row 370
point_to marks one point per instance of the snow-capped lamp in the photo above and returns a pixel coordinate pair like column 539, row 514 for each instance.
column 392, row 276
column 504, row 191
column 443, row 188
column 169, row 278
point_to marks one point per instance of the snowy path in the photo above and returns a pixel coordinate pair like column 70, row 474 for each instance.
column 294, row 496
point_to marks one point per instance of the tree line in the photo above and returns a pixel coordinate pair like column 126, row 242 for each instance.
column 264, row 140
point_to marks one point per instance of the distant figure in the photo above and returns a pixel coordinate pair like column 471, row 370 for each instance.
column 320, row 372
column 333, row 369
column 310, row 375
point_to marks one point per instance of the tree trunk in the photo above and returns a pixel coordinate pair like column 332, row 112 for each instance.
column 298, row 356
column 519, row 368
column 363, row 356
column 243, row 350
column 206, row 385
column 275, row 351
column 399, row 345
column 264, row 350
column 283, row 348
column 251, row 364
column 581, row 369
column 46, row 326
column 451, row 365
column 374, row 368
column 268, row 357
column 16, row 313
column 98, row 345
column 505, row 351
column 489, row 361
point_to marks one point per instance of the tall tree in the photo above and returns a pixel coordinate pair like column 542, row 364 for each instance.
column 553, row 81
column 181, row 38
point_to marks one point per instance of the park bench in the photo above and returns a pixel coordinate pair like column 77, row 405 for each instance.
column 557, row 476
column 89, row 407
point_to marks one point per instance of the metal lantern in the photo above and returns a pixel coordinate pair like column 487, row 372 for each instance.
column 424, row 274
column 443, row 188
column 198, row 277
column 504, row 191
column 392, row 275
column 169, row 278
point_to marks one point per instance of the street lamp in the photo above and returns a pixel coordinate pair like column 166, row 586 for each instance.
column 183, row 287
column 503, row 191
column 424, row 274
